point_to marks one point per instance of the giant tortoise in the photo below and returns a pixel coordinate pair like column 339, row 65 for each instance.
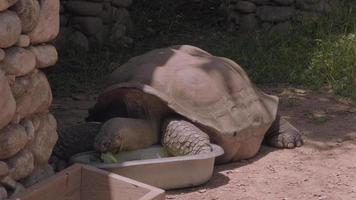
column 184, row 97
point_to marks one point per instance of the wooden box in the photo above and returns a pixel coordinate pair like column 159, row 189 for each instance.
column 82, row 182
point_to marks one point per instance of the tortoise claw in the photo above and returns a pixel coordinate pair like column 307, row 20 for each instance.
column 285, row 136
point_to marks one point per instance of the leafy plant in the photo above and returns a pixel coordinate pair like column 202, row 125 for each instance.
column 334, row 63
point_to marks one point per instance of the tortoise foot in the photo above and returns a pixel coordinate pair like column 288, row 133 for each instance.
column 284, row 135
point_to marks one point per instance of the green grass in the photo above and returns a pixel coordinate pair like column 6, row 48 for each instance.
column 334, row 63
column 314, row 53
column 333, row 54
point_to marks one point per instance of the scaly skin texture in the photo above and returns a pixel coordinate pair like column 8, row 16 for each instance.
column 76, row 139
column 181, row 137
column 283, row 135
column 125, row 134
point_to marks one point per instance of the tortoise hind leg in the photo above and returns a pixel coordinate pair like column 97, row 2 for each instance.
column 181, row 137
column 283, row 135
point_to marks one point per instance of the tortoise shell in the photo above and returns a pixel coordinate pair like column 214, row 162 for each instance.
column 213, row 92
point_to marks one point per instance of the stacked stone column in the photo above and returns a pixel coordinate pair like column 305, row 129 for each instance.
column 27, row 129
column 93, row 23
column 271, row 15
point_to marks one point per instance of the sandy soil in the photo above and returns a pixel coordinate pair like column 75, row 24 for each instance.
column 324, row 168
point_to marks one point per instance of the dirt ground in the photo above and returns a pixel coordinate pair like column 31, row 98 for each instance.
column 324, row 168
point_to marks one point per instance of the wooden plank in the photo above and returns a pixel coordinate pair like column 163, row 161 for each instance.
column 56, row 187
column 73, row 185
column 124, row 179
column 52, row 190
column 98, row 184
column 154, row 195
column 81, row 182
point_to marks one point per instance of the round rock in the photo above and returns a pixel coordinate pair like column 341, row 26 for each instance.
column 24, row 41
column 12, row 139
column 4, row 169
column 121, row 3
column 29, row 13
column 87, row 25
column 26, row 90
column 5, row 4
column 246, row 6
column 8, row 183
column 18, row 61
column 79, row 41
column 121, row 15
column 46, row 55
column 10, row 28
column 45, row 138
column 47, row 27
column 275, row 14
column 314, row 6
column 7, row 102
column 84, row 8
column 21, row 165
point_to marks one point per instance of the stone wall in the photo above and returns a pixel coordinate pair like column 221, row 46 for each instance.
column 27, row 129
column 271, row 15
column 92, row 23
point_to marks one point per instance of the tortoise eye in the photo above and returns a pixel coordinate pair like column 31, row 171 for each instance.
column 235, row 134
column 106, row 144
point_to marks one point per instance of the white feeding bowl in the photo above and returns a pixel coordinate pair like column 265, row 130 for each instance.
column 153, row 167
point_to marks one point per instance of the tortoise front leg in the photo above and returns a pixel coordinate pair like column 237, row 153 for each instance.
column 283, row 135
column 181, row 137
column 73, row 140
column 76, row 139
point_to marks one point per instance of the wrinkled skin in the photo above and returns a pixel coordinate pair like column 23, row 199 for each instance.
column 283, row 135
column 125, row 134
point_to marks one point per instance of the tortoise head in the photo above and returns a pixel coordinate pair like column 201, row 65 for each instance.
column 106, row 144
column 109, row 139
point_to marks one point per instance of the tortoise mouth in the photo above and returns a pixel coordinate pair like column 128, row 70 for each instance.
column 117, row 149
column 113, row 150
column 108, row 146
